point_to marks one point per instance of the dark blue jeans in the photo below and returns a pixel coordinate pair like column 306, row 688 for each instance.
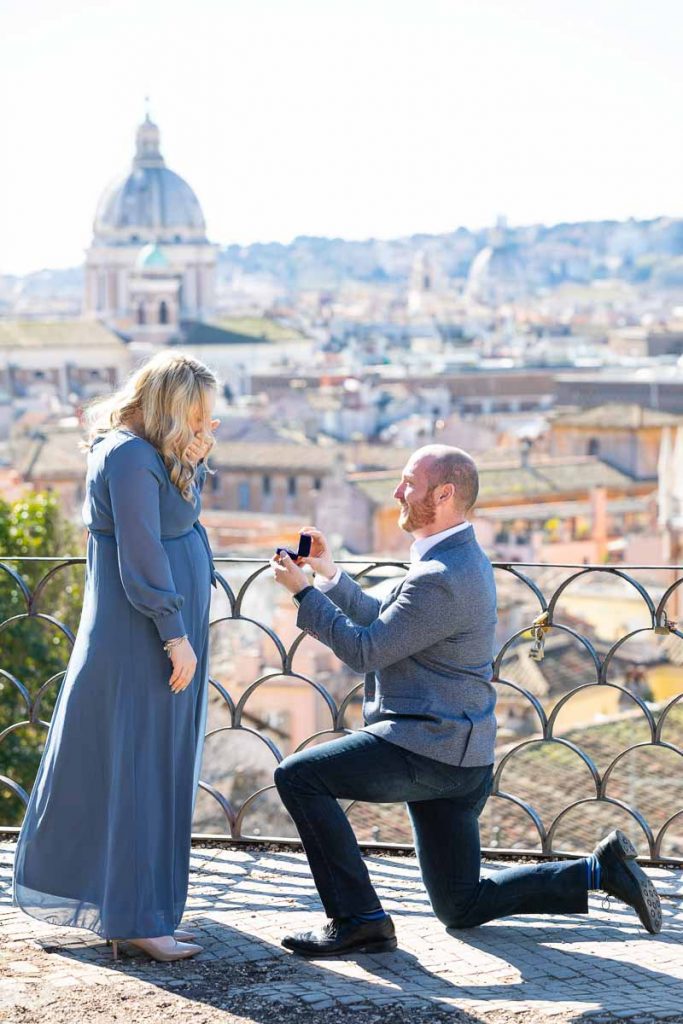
column 444, row 803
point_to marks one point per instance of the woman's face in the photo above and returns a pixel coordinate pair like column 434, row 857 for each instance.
column 202, row 414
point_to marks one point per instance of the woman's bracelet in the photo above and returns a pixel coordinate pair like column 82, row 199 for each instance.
column 174, row 642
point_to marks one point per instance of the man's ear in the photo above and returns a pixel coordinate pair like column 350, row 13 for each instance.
column 448, row 493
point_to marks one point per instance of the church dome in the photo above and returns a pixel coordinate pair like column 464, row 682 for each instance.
column 150, row 203
column 496, row 274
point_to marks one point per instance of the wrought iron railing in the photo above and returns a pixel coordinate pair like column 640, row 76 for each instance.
column 589, row 673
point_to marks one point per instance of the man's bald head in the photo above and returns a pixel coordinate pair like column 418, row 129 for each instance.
column 448, row 465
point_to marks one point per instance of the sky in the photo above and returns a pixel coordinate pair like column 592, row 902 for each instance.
column 346, row 118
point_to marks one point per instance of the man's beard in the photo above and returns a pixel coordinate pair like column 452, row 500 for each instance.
column 417, row 515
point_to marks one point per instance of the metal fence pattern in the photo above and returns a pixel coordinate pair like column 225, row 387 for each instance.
column 621, row 769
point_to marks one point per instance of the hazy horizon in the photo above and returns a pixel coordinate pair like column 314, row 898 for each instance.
column 361, row 120
column 370, row 238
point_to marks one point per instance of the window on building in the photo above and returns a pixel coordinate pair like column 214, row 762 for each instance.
column 141, row 314
column 163, row 313
column 244, row 497
column 317, row 483
column 266, row 485
column 594, row 446
column 291, row 487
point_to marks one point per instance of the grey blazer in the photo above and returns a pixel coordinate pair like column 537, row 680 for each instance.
column 426, row 651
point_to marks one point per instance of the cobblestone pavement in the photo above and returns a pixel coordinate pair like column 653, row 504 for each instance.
column 596, row 968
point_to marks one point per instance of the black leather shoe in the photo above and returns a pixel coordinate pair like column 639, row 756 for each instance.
column 623, row 878
column 342, row 935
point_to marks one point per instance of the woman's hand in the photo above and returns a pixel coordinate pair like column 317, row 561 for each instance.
column 184, row 662
column 320, row 558
column 288, row 573
column 202, row 444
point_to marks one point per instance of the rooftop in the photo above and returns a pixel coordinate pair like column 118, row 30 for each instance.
column 54, row 453
column 566, row 509
column 599, row 968
column 56, row 334
column 239, row 331
column 261, row 327
column 311, row 458
column 48, row 454
column 619, row 416
column 508, row 479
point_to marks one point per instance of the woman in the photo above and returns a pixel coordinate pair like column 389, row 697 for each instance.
column 105, row 843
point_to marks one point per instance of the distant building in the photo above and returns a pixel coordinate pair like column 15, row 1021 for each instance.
column 422, row 299
column 497, row 274
column 286, row 479
column 150, row 264
column 656, row 387
column 625, row 436
column 62, row 362
column 529, row 505
column 637, row 342
column 50, row 460
column 473, row 392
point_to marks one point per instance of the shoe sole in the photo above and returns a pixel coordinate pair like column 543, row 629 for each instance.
column 648, row 908
column 626, row 847
column 380, row 946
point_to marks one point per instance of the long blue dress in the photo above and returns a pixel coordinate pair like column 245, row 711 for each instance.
column 105, row 843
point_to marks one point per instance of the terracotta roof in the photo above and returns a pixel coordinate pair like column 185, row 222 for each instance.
column 59, row 455
column 615, row 416
column 563, row 509
column 49, row 454
column 542, row 476
column 301, row 458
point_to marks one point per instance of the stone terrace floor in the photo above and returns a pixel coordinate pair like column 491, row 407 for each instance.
column 603, row 967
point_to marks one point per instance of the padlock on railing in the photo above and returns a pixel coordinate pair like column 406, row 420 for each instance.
column 665, row 626
column 539, row 629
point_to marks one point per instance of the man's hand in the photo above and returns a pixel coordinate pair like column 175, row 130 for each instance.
column 320, row 558
column 288, row 574
column 202, row 444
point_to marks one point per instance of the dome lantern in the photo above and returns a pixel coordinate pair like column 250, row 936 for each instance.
column 147, row 143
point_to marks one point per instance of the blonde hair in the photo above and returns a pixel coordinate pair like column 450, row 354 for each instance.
column 162, row 393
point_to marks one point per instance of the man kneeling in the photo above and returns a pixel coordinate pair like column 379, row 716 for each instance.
column 429, row 738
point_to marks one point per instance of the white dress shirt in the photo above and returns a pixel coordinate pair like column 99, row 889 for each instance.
column 418, row 549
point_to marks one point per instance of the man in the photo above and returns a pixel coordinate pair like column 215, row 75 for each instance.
column 429, row 737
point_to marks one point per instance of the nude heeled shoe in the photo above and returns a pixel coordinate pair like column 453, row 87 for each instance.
column 164, row 948
column 181, row 934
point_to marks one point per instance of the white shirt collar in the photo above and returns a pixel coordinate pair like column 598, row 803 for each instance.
column 419, row 548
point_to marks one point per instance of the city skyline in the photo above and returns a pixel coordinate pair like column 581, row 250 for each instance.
column 348, row 122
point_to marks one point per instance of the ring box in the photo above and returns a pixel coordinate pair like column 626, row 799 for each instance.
column 304, row 548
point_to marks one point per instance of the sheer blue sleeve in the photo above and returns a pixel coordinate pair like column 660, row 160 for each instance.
column 134, row 475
